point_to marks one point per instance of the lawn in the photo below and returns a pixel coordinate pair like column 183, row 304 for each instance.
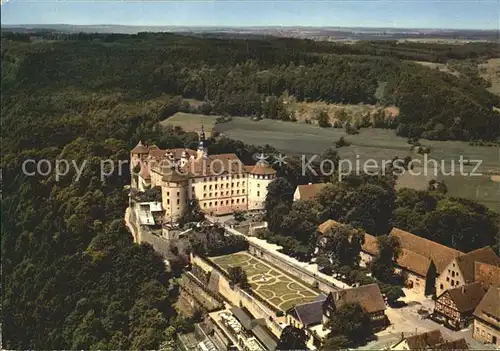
column 192, row 122
column 270, row 283
column 378, row 144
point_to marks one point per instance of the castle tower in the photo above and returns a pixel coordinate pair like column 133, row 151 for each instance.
column 174, row 193
column 202, row 145
column 138, row 162
column 259, row 177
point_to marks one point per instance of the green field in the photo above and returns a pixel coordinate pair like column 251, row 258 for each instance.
column 378, row 144
column 192, row 122
column 271, row 284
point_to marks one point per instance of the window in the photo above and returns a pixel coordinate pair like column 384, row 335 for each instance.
column 452, row 274
column 177, row 194
column 168, row 201
column 192, row 189
column 237, row 192
column 232, row 192
column 215, row 203
column 204, row 187
column 237, row 201
column 210, row 187
column 232, row 201
column 204, row 195
column 222, row 186
column 242, row 201
column 258, row 185
column 238, row 184
column 242, row 191
column 447, row 279
column 210, row 204
column 232, row 184
column 227, row 202
column 452, row 282
column 216, row 194
column 227, row 193
column 168, row 193
column 441, row 286
column 215, row 186
column 258, row 193
column 178, row 201
column 210, row 194
column 204, row 204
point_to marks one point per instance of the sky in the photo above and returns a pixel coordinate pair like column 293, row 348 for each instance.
column 464, row 14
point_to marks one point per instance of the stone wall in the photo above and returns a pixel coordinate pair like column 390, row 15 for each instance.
column 237, row 297
column 161, row 245
column 200, row 293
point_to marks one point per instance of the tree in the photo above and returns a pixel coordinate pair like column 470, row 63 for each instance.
column 382, row 267
column 341, row 143
column 335, row 343
column 292, row 338
column 342, row 245
column 238, row 216
column 392, row 292
column 237, row 276
column 351, row 322
column 323, row 119
column 302, row 221
column 192, row 213
column 278, row 202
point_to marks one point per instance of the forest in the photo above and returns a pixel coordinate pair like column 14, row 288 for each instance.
column 71, row 276
column 238, row 76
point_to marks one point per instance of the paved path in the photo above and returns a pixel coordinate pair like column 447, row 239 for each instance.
column 407, row 320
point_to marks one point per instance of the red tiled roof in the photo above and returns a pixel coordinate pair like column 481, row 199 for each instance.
column 441, row 255
column 490, row 306
column 487, row 274
column 140, row 149
column 309, row 191
column 262, row 169
column 483, row 255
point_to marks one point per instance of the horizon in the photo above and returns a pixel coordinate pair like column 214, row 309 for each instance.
column 386, row 14
column 243, row 26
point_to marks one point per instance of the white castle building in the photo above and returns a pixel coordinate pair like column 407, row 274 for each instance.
column 222, row 184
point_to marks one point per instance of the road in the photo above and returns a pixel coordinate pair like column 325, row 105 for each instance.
column 407, row 320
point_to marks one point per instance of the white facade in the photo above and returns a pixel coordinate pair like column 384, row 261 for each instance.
column 220, row 183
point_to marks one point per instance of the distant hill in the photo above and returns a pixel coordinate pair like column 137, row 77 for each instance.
column 320, row 33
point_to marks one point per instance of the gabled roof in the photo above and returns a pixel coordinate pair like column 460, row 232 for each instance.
column 425, row 340
column 441, row 255
column 368, row 297
column 140, row 148
column 256, row 326
column 414, row 262
column 483, row 255
column 214, row 165
column 310, row 313
column 370, row 245
column 466, row 297
column 261, row 168
column 487, row 274
column 490, row 306
column 459, row 344
column 324, row 227
column 309, row 191
column 144, row 172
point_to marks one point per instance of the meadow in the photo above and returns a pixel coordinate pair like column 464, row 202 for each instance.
column 378, row 144
column 192, row 122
